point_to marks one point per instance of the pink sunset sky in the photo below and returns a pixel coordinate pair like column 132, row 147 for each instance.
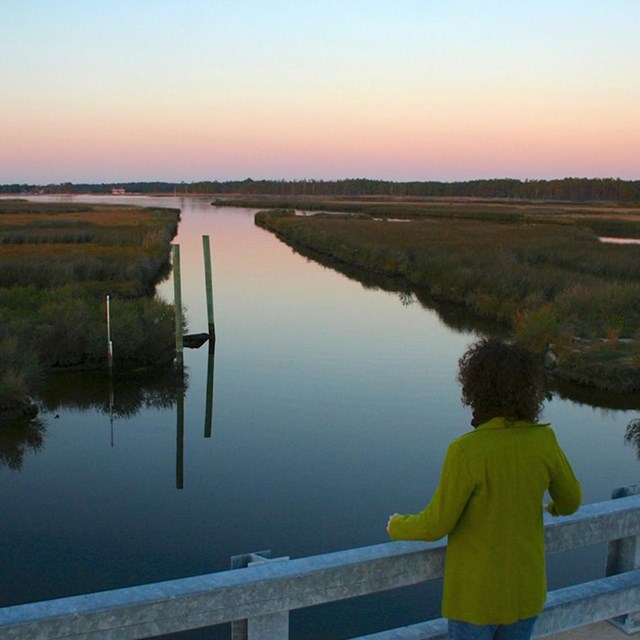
column 100, row 91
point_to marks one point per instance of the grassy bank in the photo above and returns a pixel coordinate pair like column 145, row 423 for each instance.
column 57, row 263
column 546, row 275
column 601, row 218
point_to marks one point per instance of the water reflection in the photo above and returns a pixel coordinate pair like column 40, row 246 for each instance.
column 120, row 397
column 208, row 419
column 462, row 320
column 125, row 397
column 407, row 298
column 180, row 441
column 208, row 415
column 18, row 439
column 454, row 316
column 597, row 398
column 632, row 436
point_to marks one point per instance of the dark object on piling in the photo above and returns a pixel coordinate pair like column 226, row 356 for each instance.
column 194, row 340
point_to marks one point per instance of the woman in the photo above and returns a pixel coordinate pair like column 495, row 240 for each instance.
column 489, row 500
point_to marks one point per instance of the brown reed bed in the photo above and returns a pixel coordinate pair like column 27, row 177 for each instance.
column 57, row 263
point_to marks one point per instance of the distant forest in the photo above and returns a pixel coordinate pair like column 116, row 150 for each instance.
column 565, row 189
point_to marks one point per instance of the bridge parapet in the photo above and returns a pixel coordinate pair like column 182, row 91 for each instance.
column 264, row 592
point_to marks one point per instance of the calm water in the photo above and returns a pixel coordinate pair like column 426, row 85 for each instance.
column 333, row 404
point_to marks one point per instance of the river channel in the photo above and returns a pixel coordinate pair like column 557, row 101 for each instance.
column 332, row 404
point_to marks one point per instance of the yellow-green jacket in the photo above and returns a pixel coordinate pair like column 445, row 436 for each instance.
column 489, row 502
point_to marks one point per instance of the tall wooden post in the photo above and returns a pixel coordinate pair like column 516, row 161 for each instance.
column 206, row 247
column 109, row 343
column 177, row 303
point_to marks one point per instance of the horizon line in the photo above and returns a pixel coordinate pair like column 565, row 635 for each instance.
column 319, row 180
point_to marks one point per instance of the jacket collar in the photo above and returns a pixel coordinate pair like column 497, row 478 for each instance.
column 501, row 422
column 494, row 423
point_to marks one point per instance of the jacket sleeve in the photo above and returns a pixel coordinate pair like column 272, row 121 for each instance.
column 564, row 487
column 447, row 504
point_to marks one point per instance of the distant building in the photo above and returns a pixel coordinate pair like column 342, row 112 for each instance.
column 118, row 192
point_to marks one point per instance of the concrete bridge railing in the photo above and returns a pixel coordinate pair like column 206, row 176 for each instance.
column 257, row 599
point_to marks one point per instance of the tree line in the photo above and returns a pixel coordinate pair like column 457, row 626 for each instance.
column 565, row 189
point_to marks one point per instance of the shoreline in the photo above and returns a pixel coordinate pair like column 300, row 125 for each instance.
column 607, row 363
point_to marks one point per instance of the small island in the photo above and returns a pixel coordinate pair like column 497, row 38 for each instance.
column 58, row 262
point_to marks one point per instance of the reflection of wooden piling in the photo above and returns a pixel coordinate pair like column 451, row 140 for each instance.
column 177, row 303
column 206, row 247
column 180, row 440
column 110, row 363
column 111, row 404
column 208, row 416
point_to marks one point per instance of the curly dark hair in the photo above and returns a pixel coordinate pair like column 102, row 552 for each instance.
column 501, row 379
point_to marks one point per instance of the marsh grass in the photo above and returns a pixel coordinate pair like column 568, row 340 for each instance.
column 552, row 283
column 602, row 219
column 57, row 263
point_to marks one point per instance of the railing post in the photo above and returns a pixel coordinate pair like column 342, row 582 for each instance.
column 274, row 626
column 624, row 555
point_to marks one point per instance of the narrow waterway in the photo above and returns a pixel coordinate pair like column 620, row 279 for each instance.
column 332, row 404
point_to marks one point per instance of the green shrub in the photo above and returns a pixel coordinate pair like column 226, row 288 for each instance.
column 537, row 328
column 19, row 370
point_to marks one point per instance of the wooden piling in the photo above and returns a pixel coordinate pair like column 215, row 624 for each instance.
column 109, row 343
column 177, row 303
column 206, row 248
